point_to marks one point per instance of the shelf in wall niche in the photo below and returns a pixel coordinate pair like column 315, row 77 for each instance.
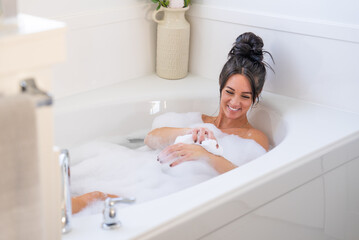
column 305, row 26
column 142, row 89
column 95, row 18
column 31, row 42
column 26, row 25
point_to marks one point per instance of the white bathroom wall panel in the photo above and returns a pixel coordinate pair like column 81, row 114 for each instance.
column 107, row 42
column 314, row 61
column 64, row 8
column 345, row 11
column 325, row 208
column 315, row 44
column 103, row 55
column 285, row 218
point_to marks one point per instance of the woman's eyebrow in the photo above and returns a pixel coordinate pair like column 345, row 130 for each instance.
column 235, row 90
column 230, row 88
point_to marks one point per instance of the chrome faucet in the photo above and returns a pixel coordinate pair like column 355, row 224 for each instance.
column 110, row 220
column 66, row 209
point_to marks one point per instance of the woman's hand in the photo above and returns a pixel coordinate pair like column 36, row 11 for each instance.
column 200, row 134
column 182, row 152
column 80, row 202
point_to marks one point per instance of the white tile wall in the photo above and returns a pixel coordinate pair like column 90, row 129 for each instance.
column 315, row 60
column 315, row 50
column 107, row 42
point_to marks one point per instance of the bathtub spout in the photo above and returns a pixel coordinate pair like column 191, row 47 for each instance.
column 66, row 209
column 109, row 213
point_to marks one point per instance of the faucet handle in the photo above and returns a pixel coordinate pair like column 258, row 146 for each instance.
column 110, row 220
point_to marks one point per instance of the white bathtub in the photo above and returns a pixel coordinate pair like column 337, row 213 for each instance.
column 304, row 188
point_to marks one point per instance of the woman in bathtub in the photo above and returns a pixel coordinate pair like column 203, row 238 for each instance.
column 241, row 82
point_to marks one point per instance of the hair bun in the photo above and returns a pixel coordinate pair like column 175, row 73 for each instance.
column 248, row 45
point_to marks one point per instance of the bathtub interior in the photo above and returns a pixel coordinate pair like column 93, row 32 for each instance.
column 127, row 123
column 298, row 130
column 263, row 117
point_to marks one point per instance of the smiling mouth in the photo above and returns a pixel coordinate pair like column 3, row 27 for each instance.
column 234, row 109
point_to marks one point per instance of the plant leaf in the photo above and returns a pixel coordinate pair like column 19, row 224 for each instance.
column 154, row 1
column 158, row 7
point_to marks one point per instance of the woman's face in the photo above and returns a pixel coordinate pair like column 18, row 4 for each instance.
column 236, row 97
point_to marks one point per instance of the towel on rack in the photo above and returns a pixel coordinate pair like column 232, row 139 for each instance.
column 20, row 205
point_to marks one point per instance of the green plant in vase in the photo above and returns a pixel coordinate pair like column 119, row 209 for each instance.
column 172, row 3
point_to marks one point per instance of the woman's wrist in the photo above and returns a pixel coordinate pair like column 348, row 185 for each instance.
column 221, row 164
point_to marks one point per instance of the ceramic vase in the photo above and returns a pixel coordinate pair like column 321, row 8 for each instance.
column 173, row 35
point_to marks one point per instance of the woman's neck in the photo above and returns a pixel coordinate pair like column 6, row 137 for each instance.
column 222, row 122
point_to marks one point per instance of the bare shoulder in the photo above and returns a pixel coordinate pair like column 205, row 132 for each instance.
column 259, row 137
column 207, row 119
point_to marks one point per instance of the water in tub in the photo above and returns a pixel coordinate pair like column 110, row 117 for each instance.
column 126, row 167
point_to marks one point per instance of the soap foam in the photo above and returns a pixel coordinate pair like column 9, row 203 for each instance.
column 111, row 168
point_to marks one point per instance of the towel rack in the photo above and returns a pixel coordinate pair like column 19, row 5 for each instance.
column 29, row 86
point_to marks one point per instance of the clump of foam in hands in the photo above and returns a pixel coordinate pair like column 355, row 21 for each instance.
column 210, row 145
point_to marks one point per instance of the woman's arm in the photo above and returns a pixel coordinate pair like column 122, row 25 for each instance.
column 221, row 164
column 179, row 153
column 160, row 138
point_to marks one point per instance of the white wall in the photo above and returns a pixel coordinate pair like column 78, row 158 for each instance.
column 316, row 58
column 64, row 8
column 315, row 44
column 107, row 41
column 344, row 11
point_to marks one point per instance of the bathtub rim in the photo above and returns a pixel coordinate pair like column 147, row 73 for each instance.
column 295, row 112
column 138, row 221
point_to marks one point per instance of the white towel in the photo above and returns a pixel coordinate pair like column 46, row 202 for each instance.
column 20, row 205
column 210, row 145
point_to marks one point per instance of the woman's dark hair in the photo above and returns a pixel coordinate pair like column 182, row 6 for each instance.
column 246, row 58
